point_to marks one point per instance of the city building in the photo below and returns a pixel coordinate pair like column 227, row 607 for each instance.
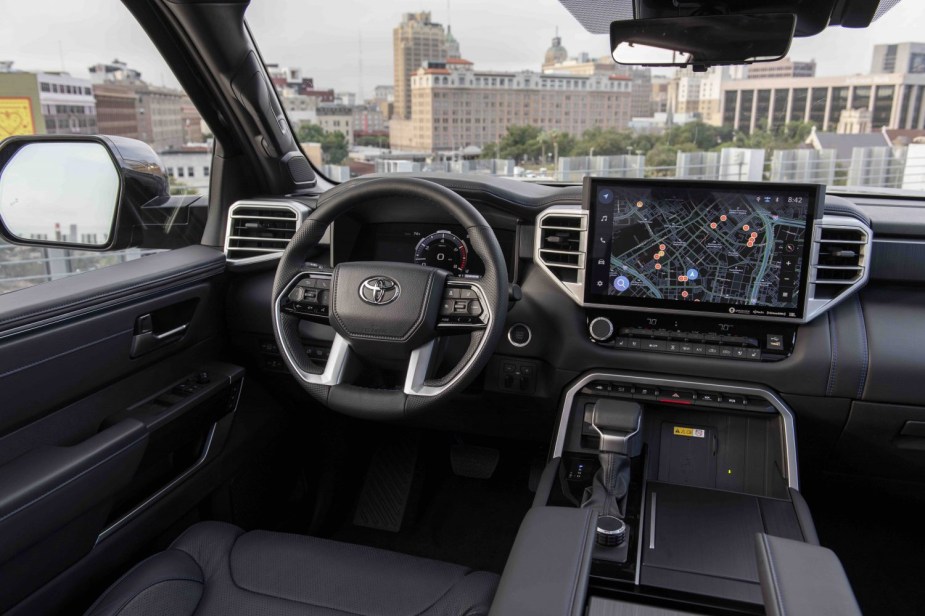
column 603, row 66
column 780, row 68
column 189, row 166
column 116, row 109
column 19, row 103
column 113, row 72
column 67, row 103
column 368, row 120
column 53, row 103
column 696, row 93
column 556, row 54
column 165, row 118
column 893, row 100
column 415, row 40
column 334, row 117
column 301, row 109
column 658, row 98
column 899, row 58
column 454, row 106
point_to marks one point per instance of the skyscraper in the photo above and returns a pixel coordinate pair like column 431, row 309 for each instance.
column 415, row 40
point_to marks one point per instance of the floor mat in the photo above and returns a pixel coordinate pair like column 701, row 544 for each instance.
column 470, row 522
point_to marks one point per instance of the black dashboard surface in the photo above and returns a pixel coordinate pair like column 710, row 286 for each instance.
column 834, row 355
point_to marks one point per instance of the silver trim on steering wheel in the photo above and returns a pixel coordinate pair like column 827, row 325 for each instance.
column 419, row 363
column 340, row 350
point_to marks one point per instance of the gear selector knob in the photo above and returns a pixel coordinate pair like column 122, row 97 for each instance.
column 611, row 531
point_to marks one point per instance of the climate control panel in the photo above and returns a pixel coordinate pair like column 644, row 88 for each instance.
column 686, row 335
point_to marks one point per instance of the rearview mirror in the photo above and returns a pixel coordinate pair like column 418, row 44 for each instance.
column 82, row 192
column 702, row 41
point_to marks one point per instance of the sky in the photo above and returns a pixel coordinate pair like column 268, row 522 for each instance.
column 325, row 38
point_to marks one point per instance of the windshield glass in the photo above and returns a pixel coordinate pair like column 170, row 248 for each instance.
column 523, row 90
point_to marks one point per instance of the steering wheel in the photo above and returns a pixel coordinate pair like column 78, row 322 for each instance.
column 388, row 313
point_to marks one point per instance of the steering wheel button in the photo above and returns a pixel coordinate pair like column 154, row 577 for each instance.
column 467, row 294
column 461, row 307
column 475, row 308
column 307, row 283
column 451, row 293
column 296, row 294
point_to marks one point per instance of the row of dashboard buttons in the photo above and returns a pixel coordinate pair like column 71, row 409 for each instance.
column 687, row 348
column 460, row 306
column 673, row 396
column 664, row 334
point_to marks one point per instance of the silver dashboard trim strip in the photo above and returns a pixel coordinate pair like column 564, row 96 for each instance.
column 788, row 429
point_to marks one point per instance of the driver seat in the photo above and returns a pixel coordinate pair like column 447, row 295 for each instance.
column 218, row 569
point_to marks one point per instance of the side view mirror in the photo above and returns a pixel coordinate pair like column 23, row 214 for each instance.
column 82, row 192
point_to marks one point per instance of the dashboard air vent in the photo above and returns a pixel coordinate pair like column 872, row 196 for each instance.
column 560, row 243
column 258, row 230
column 840, row 260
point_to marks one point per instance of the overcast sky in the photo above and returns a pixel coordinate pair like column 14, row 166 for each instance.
column 325, row 37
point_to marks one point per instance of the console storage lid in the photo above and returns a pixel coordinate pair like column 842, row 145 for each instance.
column 547, row 571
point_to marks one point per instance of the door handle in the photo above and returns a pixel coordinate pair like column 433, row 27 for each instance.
column 146, row 339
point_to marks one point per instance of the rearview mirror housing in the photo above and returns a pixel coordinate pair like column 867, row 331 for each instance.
column 81, row 192
column 702, row 41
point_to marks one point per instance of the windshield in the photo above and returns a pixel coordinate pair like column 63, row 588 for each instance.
column 522, row 90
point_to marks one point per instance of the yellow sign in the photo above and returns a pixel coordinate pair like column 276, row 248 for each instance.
column 689, row 432
column 15, row 117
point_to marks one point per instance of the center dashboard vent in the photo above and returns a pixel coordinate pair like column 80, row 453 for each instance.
column 261, row 230
column 560, row 243
column 840, row 263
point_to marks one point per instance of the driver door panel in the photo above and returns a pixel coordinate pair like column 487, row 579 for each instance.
column 90, row 429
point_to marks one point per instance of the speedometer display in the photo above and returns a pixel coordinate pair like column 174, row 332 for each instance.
column 444, row 250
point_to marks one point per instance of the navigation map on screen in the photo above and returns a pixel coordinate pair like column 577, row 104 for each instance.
column 744, row 250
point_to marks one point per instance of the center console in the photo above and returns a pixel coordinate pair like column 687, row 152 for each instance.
column 679, row 489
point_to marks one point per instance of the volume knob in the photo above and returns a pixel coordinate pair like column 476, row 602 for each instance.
column 600, row 329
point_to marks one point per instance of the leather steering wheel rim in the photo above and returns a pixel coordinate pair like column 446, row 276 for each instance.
column 323, row 384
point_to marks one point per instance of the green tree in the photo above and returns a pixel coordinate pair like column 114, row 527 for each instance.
column 520, row 143
column 310, row 133
column 489, row 150
column 603, row 142
column 334, row 147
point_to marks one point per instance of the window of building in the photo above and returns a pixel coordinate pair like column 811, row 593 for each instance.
column 205, row 171
column 798, row 110
column 46, row 87
column 180, row 172
column 883, row 106
column 779, row 115
column 861, row 99
column 817, row 103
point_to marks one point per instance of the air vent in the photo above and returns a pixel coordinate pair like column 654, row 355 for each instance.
column 258, row 230
column 560, row 243
column 840, row 261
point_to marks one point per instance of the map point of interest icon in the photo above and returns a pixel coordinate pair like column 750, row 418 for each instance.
column 621, row 283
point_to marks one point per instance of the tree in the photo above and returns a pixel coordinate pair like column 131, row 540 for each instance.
column 602, row 142
column 520, row 143
column 310, row 133
column 334, row 145
column 489, row 150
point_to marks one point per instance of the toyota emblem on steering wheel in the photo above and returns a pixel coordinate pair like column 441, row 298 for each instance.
column 379, row 290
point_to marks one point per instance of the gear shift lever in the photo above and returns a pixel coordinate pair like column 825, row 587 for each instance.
column 618, row 423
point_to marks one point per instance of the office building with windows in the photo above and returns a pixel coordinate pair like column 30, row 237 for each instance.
column 455, row 106
column 892, row 100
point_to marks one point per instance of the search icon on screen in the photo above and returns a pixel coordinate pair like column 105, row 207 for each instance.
column 621, row 283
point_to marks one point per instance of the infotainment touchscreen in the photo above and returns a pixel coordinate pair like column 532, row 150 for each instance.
column 722, row 247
